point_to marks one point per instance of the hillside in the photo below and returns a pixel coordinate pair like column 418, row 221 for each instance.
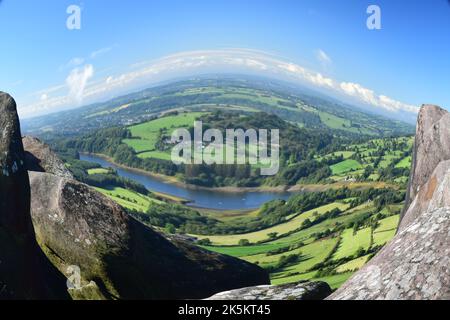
column 357, row 184
column 358, row 187
column 326, row 234
column 323, row 234
column 147, row 146
column 306, row 155
column 239, row 93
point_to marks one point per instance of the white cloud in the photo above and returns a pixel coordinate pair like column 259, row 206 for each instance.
column 78, row 61
column 193, row 62
column 391, row 104
column 357, row 91
column 370, row 97
column 72, row 63
column 44, row 97
column 109, row 80
column 100, row 52
column 323, row 58
column 77, row 81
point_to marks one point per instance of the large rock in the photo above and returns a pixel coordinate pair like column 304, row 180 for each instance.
column 415, row 264
column 292, row 291
column 25, row 273
column 15, row 212
column 39, row 157
column 434, row 194
column 79, row 226
column 432, row 146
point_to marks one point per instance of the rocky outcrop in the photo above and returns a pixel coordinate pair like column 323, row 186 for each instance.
column 25, row 273
column 292, row 291
column 415, row 264
column 434, row 194
column 432, row 146
column 78, row 226
column 39, row 157
column 15, row 212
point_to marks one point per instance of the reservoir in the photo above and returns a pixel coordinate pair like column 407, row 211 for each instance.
column 203, row 198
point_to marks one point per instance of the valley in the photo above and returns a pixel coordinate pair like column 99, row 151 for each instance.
column 213, row 157
column 242, row 93
column 333, row 205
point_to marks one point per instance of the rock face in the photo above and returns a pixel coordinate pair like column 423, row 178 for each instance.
column 25, row 273
column 293, row 291
column 416, row 263
column 126, row 259
column 40, row 158
column 15, row 213
column 434, row 194
column 432, row 146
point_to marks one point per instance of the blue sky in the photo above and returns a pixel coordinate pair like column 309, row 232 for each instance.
column 123, row 45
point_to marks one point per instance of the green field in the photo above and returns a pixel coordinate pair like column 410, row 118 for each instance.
column 146, row 135
column 344, row 154
column 311, row 251
column 98, row 171
column 142, row 145
column 386, row 230
column 155, row 154
column 377, row 154
column 350, row 242
column 311, row 255
column 353, row 265
column 345, row 166
column 335, row 122
column 128, row 199
column 280, row 229
column 242, row 251
column 404, row 163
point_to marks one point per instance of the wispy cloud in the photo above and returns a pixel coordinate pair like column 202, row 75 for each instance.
column 78, row 61
column 144, row 73
column 72, row 63
column 100, row 52
column 323, row 58
column 77, row 80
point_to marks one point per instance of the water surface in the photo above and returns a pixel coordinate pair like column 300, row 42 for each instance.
column 212, row 199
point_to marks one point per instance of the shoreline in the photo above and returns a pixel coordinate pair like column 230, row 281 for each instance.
column 174, row 181
column 278, row 189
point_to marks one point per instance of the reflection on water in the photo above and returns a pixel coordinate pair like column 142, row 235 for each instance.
column 200, row 198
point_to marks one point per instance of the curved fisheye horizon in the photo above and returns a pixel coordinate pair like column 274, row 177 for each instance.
column 81, row 89
column 189, row 151
column 317, row 44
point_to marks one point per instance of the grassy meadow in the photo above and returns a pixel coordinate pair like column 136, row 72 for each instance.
column 146, row 135
column 345, row 251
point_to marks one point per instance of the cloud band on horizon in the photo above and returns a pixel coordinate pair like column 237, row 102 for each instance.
column 195, row 62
